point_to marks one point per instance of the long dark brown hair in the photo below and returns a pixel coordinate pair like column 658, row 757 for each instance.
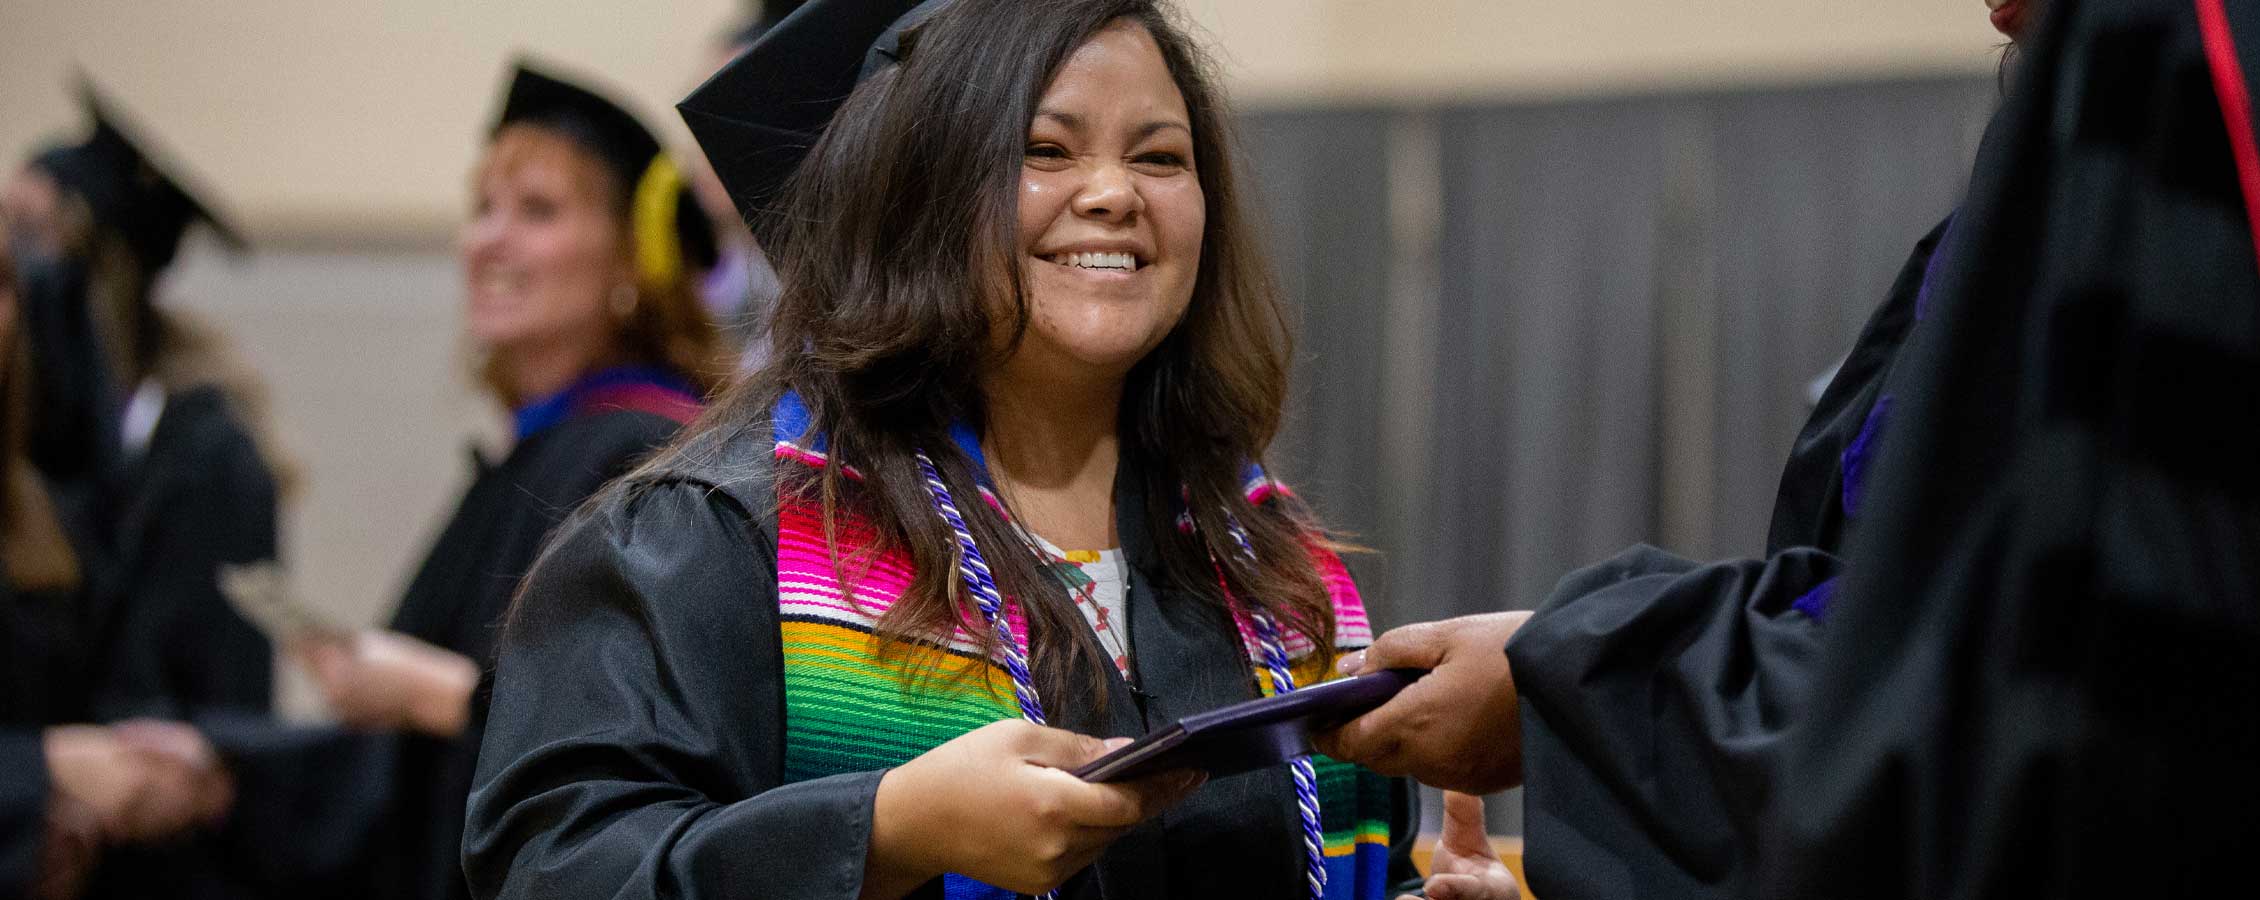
column 898, row 251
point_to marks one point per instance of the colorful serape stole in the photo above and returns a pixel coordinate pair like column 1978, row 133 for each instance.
column 850, row 708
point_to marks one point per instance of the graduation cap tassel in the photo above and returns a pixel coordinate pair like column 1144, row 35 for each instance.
column 659, row 251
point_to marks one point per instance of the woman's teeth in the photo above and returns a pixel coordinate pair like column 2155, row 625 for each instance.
column 1126, row 262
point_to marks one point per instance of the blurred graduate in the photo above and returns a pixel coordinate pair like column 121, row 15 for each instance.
column 143, row 426
column 580, row 261
column 132, row 477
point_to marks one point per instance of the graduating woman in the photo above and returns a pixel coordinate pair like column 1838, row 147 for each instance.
column 138, row 448
column 1000, row 471
column 67, row 790
column 142, row 426
column 580, row 259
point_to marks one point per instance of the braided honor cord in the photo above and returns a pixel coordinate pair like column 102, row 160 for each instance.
column 1283, row 681
column 974, row 570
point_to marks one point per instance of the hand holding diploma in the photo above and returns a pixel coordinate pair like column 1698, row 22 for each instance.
column 1456, row 728
column 378, row 679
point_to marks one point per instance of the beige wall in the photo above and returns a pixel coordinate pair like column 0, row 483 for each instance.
column 1292, row 50
column 358, row 119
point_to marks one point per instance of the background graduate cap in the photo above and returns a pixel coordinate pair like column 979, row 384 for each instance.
column 670, row 229
column 759, row 116
column 130, row 185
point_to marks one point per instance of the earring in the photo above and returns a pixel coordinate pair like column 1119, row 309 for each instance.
column 623, row 300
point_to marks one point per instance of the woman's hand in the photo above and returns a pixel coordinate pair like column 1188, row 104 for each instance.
column 998, row 805
column 390, row 681
column 1465, row 867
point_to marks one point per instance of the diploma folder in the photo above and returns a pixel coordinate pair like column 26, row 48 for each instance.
column 1251, row 735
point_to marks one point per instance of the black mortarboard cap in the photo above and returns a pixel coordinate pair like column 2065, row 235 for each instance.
column 603, row 127
column 130, row 185
column 609, row 131
column 759, row 116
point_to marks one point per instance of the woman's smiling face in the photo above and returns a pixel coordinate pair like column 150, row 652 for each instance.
column 1112, row 215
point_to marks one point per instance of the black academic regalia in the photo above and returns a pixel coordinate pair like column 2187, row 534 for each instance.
column 1701, row 667
column 384, row 818
column 2041, row 677
column 2038, row 682
column 167, row 642
column 635, row 743
column 23, row 808
column 198, row 498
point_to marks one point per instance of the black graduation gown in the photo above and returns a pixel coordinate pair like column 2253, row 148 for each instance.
column 199, row 497
column 23, row 808
column 1655, row 691
column 2040, row 680
column 635, row 746
column 167, row 643
column 148, row 633
column 45, row 660
column 383, row 814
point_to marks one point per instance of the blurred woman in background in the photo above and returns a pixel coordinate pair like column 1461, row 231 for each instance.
column 67, row 790
column 142, row 425
column 139, row 475
column 580, row 263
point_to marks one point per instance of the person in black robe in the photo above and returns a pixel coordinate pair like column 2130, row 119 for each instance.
column 150, row 495
column 2038, row 680
column 139, row 426
column 602, row 350
column 639, row 738
column 67, row 789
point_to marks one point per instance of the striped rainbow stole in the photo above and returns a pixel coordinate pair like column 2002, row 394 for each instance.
column 851, row 708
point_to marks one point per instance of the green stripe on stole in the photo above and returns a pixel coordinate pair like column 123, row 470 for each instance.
column 848, row 710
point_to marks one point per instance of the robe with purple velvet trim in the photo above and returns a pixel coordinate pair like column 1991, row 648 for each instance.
column 2037, row 677
column 1656, row 691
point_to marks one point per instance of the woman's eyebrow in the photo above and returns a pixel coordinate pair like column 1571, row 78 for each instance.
column 1075, row 123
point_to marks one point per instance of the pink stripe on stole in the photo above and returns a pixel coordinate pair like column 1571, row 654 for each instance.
column 807, row 583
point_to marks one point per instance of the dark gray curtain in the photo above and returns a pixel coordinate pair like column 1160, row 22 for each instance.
column 1531, row 334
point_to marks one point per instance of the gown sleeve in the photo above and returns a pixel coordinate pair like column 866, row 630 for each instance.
column 634, row 742
column 23, row 809
column 1654, row 697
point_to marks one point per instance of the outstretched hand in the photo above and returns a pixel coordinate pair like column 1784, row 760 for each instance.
column 1465, row 866
column 1455, row 728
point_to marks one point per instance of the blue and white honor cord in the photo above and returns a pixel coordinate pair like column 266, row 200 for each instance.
column 974, row 571
column 1306, row 775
